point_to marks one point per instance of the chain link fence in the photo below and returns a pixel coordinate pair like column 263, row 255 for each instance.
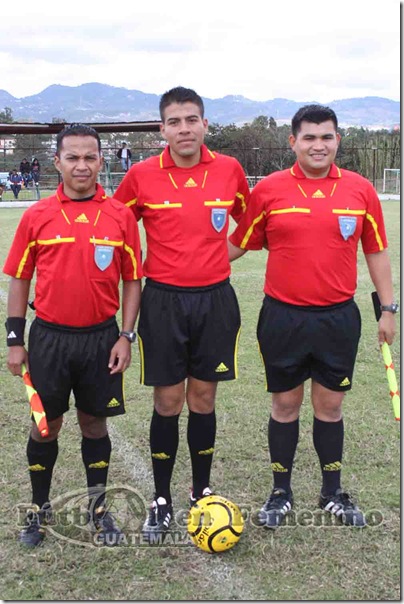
column 257, row 163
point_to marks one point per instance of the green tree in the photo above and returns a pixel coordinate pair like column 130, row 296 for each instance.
column 6, row 116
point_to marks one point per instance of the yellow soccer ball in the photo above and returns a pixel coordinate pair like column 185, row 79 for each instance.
column 215, row 523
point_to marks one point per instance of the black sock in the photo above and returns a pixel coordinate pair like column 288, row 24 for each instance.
column 96, row 454
column 41, row 460
column 201, row 442
column 163, row 445
column 328, row 439
column 282, row 440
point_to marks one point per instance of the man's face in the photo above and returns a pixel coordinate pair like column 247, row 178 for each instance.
column 79, row 162
column 184, row 129
column 316, row 146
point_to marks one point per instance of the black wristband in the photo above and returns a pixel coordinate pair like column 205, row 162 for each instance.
column 15, row 327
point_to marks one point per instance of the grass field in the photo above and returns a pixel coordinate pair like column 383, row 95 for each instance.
column 304, row 561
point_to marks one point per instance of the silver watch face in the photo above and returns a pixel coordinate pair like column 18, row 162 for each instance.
column 391, row 308
column 129, row 335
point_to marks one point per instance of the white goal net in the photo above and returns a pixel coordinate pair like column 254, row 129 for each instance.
column 391, row 180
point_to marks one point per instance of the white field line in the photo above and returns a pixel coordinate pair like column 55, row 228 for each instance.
column 3, row 296
column 224, row 578
column 133, row 460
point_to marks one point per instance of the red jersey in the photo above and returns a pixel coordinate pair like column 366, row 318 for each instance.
column 80, row 250
column 312, row 228
column 185, row 214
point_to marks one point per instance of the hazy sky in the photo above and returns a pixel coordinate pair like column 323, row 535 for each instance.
column 303, row 50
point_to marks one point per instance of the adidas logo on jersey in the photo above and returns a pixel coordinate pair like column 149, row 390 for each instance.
column 318, row 194
column 82, row 218
column 345, row 382
column 113, row 403
column 221, row 368
column 190, row 183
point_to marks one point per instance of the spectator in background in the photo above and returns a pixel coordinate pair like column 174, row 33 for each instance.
column 25, row 169
column 35, row 170
column 125, row 155
column 16, row 182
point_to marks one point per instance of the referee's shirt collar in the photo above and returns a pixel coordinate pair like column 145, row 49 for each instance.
column 166, row 161
column 99, row 194
column 296, row 171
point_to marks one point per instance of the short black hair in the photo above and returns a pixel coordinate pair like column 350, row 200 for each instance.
column 316, row 114
column 180, row 95
column 76, row 130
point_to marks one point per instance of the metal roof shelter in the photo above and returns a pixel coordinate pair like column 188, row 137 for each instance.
column 54, row 128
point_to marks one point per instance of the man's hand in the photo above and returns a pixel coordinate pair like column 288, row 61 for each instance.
column 386, row 328
column 120, row 356
column 17, row 355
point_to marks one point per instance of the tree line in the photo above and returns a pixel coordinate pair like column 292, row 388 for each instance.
column 261, row 146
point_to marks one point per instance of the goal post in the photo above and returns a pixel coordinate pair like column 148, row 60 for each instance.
column 391, row 180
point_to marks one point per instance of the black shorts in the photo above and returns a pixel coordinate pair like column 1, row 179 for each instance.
column 188, row 331
column 63, row 360
column 298, row 343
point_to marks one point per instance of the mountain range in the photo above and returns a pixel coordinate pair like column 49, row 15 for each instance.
column 99, row 103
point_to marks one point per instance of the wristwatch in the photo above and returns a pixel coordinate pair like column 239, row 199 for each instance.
column 394, row 307
column 129, row 335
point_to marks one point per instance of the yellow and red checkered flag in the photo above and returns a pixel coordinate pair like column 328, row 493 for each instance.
column 392, row 380
column 37, row 410
column 388, row 363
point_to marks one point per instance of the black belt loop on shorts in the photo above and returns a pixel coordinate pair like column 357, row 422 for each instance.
column 191, row 290
column 70, row 329
column 309, row 308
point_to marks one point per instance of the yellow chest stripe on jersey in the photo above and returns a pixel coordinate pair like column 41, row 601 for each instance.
column 56, row 240
column 291, row 211
column 352, row 212
column 106, row 242
column 165, row 206
column 218, row 203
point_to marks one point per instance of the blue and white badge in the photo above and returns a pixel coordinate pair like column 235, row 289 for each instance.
column 347, row 226
column 103, row 255
column 218, row 218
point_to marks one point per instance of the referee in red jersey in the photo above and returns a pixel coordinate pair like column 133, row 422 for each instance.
column 189, row 320
column 311, row 219
column 80, row 243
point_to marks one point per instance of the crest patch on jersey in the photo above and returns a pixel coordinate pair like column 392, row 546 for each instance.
column 218, row 218
column 103, row 255
column 347, row 226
